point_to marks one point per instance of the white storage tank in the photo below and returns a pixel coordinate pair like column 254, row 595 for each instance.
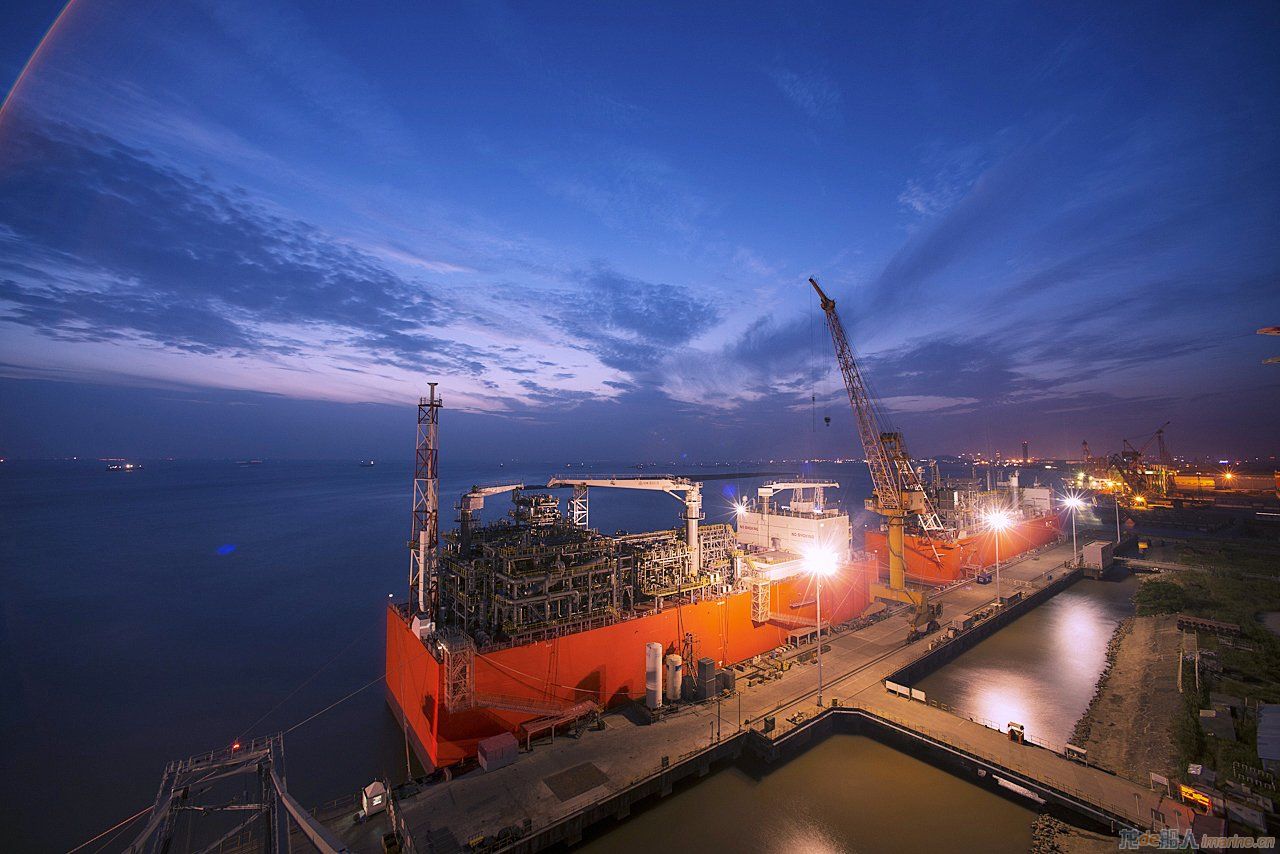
column 653, row 675
column 675, row 677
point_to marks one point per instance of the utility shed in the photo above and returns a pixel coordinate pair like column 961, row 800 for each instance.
column 497, row 751
column 1269, row 736
column 1099, row 554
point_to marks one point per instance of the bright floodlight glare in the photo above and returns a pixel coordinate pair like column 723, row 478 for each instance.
column 821, row 561
column 1073, row 501
column 998, row 520
column 740, row 508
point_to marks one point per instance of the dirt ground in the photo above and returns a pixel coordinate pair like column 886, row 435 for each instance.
column 1131, row 721
column 1051, row 836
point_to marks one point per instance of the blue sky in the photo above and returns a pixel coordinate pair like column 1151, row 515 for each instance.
column 592, row 223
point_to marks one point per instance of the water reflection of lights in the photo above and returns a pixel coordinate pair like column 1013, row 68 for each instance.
column 1041, row 670
column 1080, row 626
column 805, row 835
column 1002, row 704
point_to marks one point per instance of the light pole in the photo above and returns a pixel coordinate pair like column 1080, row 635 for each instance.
column 997, row 521
column 819, row 618
column 1117, row 497
column 1073, row 503
column 822, row 562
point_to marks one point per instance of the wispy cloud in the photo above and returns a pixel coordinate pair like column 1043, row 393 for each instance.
column 628, row 188
column 186, row 264
column 812, row 93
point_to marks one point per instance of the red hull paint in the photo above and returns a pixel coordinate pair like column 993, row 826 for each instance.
column 605, row 665
column 923, row 567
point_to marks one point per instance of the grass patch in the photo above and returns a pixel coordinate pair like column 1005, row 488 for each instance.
column 1158, row 596
column 1253, row 556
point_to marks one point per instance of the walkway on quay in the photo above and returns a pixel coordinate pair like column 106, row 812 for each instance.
column 1117, row 801
column 553, row 792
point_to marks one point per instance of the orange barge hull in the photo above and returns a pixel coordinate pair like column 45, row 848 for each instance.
column 955, row 560
column 604, row 665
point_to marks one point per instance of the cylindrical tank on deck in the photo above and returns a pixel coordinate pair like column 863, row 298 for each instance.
column 653, row 675
column 675, row 677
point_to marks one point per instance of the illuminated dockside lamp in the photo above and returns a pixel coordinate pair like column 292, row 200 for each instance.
column 997, row 521
column 820, row 562
column 1073, row 502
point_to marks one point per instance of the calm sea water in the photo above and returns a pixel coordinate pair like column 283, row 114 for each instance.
column 152, row 615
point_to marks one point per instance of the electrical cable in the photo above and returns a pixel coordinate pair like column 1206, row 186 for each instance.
column 300, row 723
column 366, row 686
column 304, row 684
column 88, row 842
column 535, row 679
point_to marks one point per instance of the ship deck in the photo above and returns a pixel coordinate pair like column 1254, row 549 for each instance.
column 558, row 780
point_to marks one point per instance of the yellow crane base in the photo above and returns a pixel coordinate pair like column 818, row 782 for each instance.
column 914, row 598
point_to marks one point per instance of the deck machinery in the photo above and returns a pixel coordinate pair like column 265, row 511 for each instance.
column 539, row 573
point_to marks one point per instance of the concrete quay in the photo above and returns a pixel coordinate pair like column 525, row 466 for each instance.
column 553, row 793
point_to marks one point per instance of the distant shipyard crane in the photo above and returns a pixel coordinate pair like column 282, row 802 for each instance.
column 899, row 492
column 1134, row 469
column 687, row 491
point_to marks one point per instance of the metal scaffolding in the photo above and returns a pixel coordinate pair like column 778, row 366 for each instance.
column 201, row 803
column 458, row 655
column 578, row 507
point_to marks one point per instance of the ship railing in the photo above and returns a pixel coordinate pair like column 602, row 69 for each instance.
column 795, row 514
column 594, row 475
column 529, row 705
